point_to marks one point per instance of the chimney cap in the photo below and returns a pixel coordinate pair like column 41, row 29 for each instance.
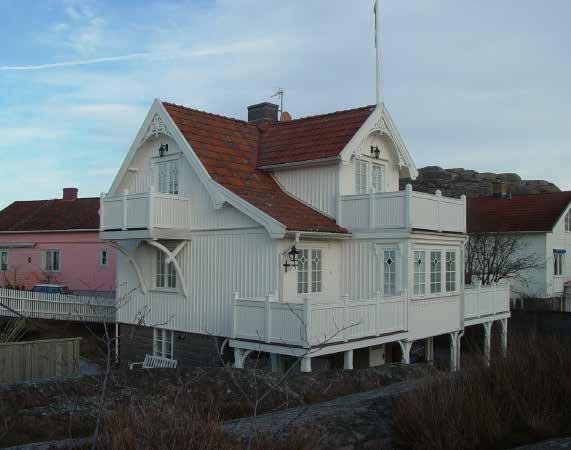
column 264, row 111
column 70, row 193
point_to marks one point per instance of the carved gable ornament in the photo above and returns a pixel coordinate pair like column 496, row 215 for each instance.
column 156, row 127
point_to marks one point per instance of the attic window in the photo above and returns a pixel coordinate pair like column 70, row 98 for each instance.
column 568, row 221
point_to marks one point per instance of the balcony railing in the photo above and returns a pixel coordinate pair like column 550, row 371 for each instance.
column 314, row 323
column 484, row 301
column 145, row 210
column 403, row 209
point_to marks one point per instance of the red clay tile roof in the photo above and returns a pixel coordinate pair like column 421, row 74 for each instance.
column 310, row 138
column 228, row 149
column 537, row 212
column 49, row 215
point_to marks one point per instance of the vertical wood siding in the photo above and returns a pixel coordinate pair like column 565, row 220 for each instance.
column 316, row 186
column 359, row 268
column 216, row 264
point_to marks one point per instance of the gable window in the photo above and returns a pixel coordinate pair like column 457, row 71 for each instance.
column 568, row 221
column 389, row 273
column 103, row 258
column 450, row 271
column 435, row 272
column 163, row 341
column 3, row 260
column 419, row 273
column 168, row 176
column 50, row 260
column 361, row 185
column 558, row 261
column 377, row 178
column 166, row 273
column 310, row 271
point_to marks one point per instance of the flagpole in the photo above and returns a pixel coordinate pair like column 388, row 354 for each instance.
column 378, row 52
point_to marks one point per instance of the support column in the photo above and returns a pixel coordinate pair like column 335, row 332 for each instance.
column 306, row 364
column 429, row 350
column 116, row 342
column 405, row 347
column 487, row 341
column 238, row 358
column 455, row 350
column 276, row 362
column 459, row 349
column 504, row 324
column 348, row 360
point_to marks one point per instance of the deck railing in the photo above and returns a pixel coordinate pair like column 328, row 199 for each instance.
column 403, row 209
column 37, row 305
column 316, row 322
column 144, row 210
column 481, row 301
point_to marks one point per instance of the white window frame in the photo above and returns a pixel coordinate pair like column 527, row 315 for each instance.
column 435, row 283
column 558, row 264
column 165, row 274
column 361, row 176
column 419, row 276
column 568, row 221
column 3, row 260
column 161, row 340
column 103, row 258
column 390, row 277
column 310, row 271
column 49, row 253
column 377, row 180
column 451, row 276
column 366, row 180
column 168, row 186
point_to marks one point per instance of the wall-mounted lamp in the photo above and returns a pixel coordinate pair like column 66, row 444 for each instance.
column 291, row 260
column 375, row 151
column 164, row 148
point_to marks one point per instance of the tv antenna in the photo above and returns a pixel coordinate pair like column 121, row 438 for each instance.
column 280, row 93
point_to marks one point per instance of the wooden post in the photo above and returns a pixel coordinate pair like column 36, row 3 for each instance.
column 439, row 200
column 504, row 324
column 348, row 360
column 306, row 364
column 268, row 318
column 487, row 341
column 307, row 321
column 378, row 320
column 124, row 227
column 464, row 225
column 116, row 343
column 238, row 358
column 406, row 309
column 371, row 210
column 234, row 306
column 344, row 325
column 151, row 206
column 429, row 350
column 408, row 207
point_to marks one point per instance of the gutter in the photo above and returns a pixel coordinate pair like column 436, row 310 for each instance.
column 307, row 162
column 78, row 230
column 318, row 234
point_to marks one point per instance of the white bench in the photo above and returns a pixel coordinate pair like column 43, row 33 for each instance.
column 155, row 362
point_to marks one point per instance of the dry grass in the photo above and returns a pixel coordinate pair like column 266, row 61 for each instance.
column 522, row 398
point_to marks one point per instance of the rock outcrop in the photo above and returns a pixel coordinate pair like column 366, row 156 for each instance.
column 455, row 182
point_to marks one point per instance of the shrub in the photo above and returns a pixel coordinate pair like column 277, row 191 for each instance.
column 520, row 398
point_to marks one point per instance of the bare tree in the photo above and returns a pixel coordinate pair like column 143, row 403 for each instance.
column 491, row 257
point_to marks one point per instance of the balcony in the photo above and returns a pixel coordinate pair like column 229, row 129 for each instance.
column 314, row 323
column 485, row 303
column 145, row 215
column 403, row 210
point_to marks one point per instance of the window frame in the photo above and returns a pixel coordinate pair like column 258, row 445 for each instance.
column 419, row 254
column 169, row 159
column 364, row 180
column 389, row 253
column 168, row 273
column 558, row 263
column 4, row 260
column 102, row 262
column 45, row 253
column 568, row 222
column 314, row 278
column 450, row 276
column 361, row 175
column 433, row 282
column 375, row 188
column 161, row 338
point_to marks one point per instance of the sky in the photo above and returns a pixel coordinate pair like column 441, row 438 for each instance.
column 481, row 85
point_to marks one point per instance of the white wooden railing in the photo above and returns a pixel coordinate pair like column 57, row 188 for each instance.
column 314, row 322
column 36, row 305
column 403, row 209
column 144, row 210
column 481, row 301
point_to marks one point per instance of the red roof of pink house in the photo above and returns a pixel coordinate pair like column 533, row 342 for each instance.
column 231, row 151
column 50, row 215
column 536, row 212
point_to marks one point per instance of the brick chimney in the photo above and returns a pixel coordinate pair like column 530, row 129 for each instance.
column 70, row 194
column 263, row 112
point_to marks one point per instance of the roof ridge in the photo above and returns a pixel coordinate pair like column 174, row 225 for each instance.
column 340, row 111
column 220, row 116
column 31, row 215
column 54, row 200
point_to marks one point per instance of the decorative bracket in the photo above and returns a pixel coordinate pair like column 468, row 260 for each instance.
column 156, row 127
column 171, row 258
column 133, row 262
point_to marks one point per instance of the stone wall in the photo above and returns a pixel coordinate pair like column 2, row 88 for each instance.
column 455, row 182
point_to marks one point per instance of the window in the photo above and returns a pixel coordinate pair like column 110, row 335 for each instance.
column 168, row 176
column 389, row 272
column 50, row 261
column 103, row 258
column 361, row 184
column 435, row 272
column 568, row 221
column 377, row 178
column 310, row 271
column 166, row 273
column 558, row 260
column 163, row 343
column 450, row 271
column 419, row 273
column 3, row 261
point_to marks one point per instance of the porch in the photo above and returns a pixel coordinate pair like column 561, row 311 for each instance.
column 403, row 210
column 144, row 215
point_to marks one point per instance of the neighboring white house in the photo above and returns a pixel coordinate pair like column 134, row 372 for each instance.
column 288, row 237
column 543, row 223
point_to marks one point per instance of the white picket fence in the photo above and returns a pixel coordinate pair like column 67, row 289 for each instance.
column 36, row 305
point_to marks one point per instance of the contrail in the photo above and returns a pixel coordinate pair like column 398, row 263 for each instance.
column 81, row 62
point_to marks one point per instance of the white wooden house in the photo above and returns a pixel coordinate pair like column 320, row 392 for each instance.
column 206, row 212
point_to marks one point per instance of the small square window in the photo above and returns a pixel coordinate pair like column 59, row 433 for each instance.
column 3, row 260
column 50, row 260
column 103, row 258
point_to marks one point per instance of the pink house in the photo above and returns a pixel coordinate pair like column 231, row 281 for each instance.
column 56, row 242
